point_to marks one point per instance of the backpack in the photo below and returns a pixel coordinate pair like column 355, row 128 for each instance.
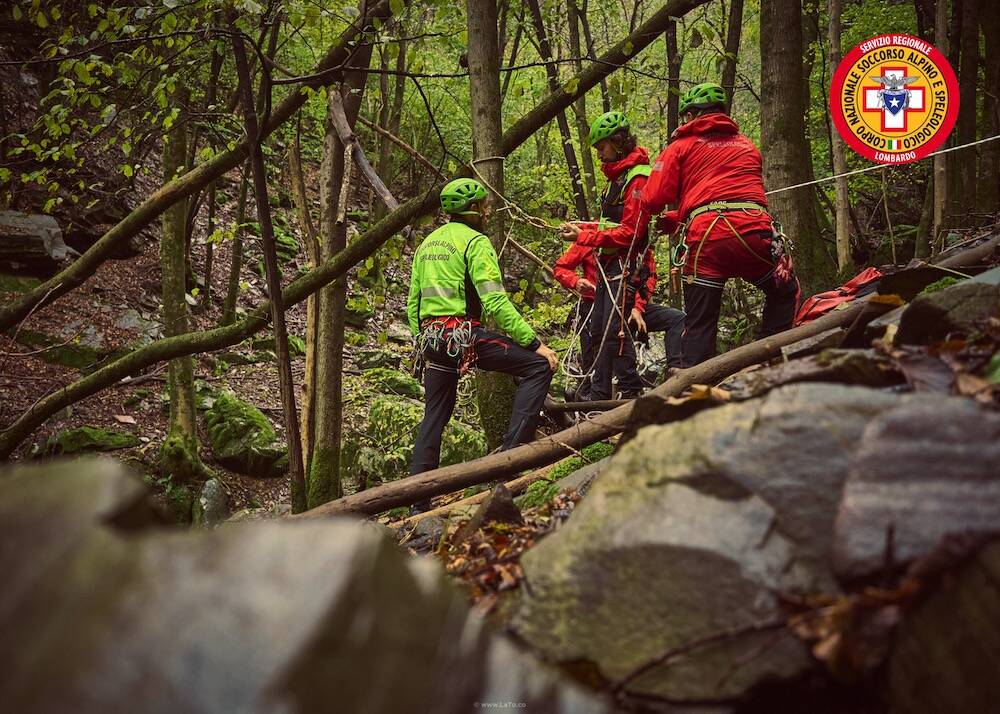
column 863, row 283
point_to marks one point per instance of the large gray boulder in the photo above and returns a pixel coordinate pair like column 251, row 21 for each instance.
column 31, row 241
column 101, row 613
column 664, row 581
column 929, row 468
column 946, row 654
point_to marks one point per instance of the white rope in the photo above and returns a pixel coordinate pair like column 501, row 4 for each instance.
column 877, row 167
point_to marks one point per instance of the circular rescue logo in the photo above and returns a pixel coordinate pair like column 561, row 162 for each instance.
column 894, row 98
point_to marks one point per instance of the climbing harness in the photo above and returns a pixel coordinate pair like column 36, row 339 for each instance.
column 453, row 336
column 780, row 260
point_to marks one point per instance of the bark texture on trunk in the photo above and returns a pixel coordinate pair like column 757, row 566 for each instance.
column 179, row 458
column 787, row 155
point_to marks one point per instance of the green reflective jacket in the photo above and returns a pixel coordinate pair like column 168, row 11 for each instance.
column 456, row 274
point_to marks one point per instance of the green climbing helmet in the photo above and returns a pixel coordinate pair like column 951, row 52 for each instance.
column 701, row 96
column 606, row 125
column 458, row 194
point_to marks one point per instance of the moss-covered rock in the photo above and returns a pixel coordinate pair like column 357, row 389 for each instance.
column 87, row 439
column 391, row 381
column 382, row 450
column 17, row 283
column 243, row 439
column 296, row 345
column 371, row 358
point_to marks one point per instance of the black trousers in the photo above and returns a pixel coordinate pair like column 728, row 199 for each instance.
column 494, row 353
column 669, row 321
column 614, row 354
column 702, row 303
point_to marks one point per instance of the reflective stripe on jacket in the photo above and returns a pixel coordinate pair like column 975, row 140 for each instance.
column 456, row 274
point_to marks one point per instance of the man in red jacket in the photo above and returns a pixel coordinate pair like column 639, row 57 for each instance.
column 619, row 240
column 715, row 174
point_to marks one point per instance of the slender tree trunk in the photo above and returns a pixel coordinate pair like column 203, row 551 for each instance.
column 733, row 31
column 179, row 454
column 323, row 472
column 236, row 257
column 941, row 160
column 545, row 50
column 787, row 156
column 514, row 47
column 964, row 198
column 258, row 170
column 843, row 214
column 582, row 14
column 495, row 391
column 308, row 230
column 580, row 109
column 989, row 167
column 674, row 78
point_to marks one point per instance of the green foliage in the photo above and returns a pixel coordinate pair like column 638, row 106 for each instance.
column 544, row 490
column 938, row 285
column 381, row 449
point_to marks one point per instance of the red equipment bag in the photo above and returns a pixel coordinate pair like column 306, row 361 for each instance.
column 863, row 283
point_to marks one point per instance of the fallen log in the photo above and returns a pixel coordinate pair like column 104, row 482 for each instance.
column 516, row 487
column 552, row 448
column 601, row 405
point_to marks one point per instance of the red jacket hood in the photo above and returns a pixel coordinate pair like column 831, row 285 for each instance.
column 638, row 156
column 717, row 123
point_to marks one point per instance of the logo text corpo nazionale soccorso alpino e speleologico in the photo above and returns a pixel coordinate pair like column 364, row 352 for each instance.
column 894, row 98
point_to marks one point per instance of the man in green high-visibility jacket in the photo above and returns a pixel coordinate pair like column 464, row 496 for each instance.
column 456, row 279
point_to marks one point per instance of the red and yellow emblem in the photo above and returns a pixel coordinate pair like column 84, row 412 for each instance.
column 894, row 98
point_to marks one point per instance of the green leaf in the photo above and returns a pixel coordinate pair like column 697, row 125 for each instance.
column 16, row 12
column 993, row 369
column 571, row 86
column 128, row 170
column 41, row 20
column 397, row 7
column 82, row 72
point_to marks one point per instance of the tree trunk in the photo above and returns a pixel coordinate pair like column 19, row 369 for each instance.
column 580, row 109
column 258, row 170
column 323, row 471
column 308, row 230
column 236, row 257
column 495, row 391
column 787, row 156
column 964, row 198
column 988, row 199
column 582, row 14
column 733, row 31
column 843, row 213
column 941, row 160
column 545, row 50
column 673, row 78
column 179, row 454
